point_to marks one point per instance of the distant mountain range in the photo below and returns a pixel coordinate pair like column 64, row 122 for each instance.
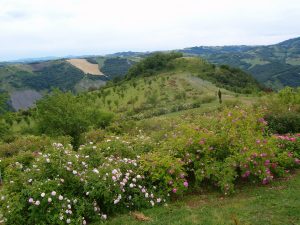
column 27, row 80
column 275, row 66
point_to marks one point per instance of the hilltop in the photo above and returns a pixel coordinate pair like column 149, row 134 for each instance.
column 156, row 86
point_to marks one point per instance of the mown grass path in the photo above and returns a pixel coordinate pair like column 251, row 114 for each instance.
column 277, row 204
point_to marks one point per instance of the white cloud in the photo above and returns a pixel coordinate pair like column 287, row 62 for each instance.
column 30, row 28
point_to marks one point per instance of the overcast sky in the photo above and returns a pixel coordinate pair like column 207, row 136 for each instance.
column 37, row 28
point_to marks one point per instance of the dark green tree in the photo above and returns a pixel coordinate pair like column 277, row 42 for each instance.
column 152, row 64
column 65, row 114
column 220, row 96
column 3, row 102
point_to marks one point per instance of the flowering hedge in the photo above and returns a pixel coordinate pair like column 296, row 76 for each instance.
column 61, row 186
column 235, row 146
column 119, row 173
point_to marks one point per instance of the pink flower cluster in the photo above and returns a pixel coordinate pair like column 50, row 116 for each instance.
column 263, row 121
column 288, row 137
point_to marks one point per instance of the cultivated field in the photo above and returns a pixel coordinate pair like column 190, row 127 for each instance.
column 85, row 66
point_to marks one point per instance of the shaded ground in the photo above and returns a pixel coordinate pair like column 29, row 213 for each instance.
column 24, row 99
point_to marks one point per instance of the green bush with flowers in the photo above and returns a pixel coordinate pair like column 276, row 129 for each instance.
column 236, row 145
column 165, row 172
column 62, row 186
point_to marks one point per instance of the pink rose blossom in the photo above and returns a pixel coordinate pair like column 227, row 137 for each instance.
column 265, row 181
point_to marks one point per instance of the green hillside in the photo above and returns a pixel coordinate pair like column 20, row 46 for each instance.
column 181, row 83
column 274, row 65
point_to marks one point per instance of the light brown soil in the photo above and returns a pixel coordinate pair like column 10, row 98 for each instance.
column 85, row 66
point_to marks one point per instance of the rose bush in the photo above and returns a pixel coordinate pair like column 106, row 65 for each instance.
column 236, row 145
column 62, row 186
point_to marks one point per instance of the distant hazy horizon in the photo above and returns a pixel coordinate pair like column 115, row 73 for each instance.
column 41, row 28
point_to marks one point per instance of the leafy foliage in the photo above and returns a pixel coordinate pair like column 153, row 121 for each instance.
column 129, row 165
column 116, row 67
column 153, row 64
column 3, row 102
column 65, row 114
column 284, row 112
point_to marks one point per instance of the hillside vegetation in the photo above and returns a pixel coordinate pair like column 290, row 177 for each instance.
column 176, row 84
column 224, row 76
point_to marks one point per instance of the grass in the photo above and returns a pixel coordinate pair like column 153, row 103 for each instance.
column 274, row 204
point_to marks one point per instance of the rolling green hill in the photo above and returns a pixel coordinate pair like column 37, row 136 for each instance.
column 178, row 84
column 275, row 65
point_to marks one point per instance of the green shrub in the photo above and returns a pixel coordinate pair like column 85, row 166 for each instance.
column 164, row 171
column 288, row 122
column 65, row 114
column 207, row 99
column 62, row 186
column 235, row 146
column 4, row 129
column 25, row 144
column 152, row 64
column 94, row 136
